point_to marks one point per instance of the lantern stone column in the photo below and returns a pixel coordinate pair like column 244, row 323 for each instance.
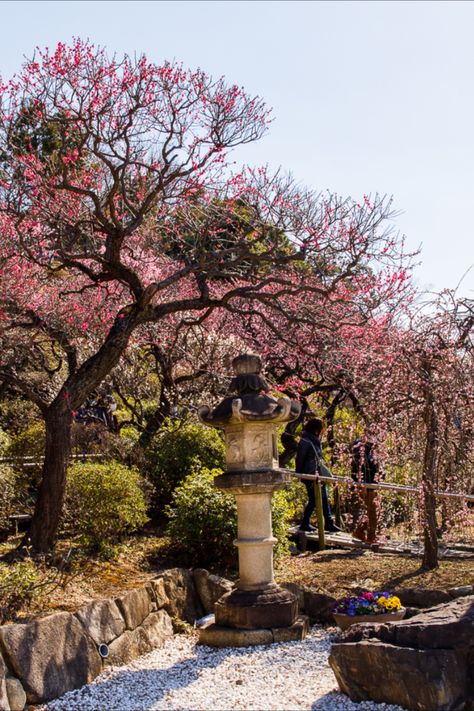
column 249, row 421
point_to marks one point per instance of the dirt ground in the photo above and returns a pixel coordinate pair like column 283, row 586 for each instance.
column 335, row 572
column 339, row 572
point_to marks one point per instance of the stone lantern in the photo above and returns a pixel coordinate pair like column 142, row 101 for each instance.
column 257, row 607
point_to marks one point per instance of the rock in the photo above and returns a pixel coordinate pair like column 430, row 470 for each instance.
column 102, row 620
column 426, row 662
column 318, row 606
column 159, row 592
column 297, row 631
column 50, row 656
column 448, row 626
column 135, row 606
column 16, row 694
column 130, row 645
column 461, row 591
column 298, row 591
column 154, row 631
column 158, row 627
column 422, row 597
column 411, row 612
column 422, row 680
column 210, row 588
column 4, row 703
column 216, row 636
column 183, row 600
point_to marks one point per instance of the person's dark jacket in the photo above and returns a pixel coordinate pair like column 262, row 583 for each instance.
column 307, row 460
column 364, row 467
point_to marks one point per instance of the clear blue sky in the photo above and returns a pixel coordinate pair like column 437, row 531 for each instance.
column 367, row 96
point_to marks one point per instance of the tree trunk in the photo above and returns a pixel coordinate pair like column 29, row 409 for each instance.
column 44, row 525
column 58, row 420
column 430, row 468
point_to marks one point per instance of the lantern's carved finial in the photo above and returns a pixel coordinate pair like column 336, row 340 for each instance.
column 247, row 380
column 252, row 402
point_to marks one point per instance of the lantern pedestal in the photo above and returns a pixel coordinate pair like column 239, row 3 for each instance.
column 257, row 601
column 214, row 635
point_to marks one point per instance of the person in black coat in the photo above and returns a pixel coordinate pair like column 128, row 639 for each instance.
column 365, row 470
column 308, row 460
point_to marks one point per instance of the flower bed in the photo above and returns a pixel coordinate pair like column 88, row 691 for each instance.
column 368, row 607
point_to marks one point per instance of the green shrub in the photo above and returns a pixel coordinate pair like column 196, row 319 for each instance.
column 5, row 442
column 296, row 497
column 174, row 449
column 130, row 435
column 202, row 520
column 18, row 583
column 29, row 442
column 8, row 494
column 17, row 415
column 104, row 502
column 284, row 510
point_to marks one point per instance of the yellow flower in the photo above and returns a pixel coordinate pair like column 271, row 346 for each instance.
column 393, row 603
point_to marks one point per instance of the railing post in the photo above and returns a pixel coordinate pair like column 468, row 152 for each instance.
column 337, row 507
column 319, row 513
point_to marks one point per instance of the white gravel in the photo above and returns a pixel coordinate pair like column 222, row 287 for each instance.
column 186, row 676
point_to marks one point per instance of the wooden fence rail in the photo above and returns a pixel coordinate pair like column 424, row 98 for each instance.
column 335, row 480
column 26, row 461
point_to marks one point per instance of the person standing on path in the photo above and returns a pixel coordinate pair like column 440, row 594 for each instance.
column 309, row 459
column 365, row 470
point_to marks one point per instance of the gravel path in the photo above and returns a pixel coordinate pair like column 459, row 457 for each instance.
column 183, row 675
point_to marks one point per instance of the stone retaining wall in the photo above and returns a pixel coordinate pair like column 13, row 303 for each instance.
column 43, row 659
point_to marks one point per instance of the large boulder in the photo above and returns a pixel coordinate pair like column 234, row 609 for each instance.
column 130, row 645
column 136, row 605
column 317, row 606
column 428, row 597
column 16, row 693
column 422, row 597
column 4, row 703
column 210, row 588
column 424, row 663
column 183, row 600
column 158, row 628
column 159, row 593
column 154, row 631
column 50, row 656
column 102, row 620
